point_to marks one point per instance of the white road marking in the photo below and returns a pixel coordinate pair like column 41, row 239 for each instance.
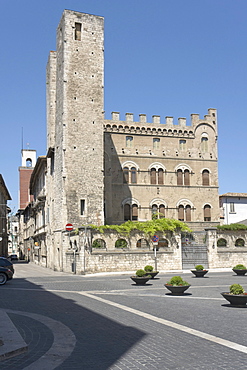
column 63, row 344
column 197, row 333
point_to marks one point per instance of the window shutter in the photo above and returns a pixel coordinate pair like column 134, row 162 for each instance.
column 125, row 175
column 205, row 178
column 134, row 212
column 181, row 213
column 162, row 211
column 188, row 213
column 133, row 175
column 126, row 212
column 207, row 213
column 187, row 177
column 179, row 177
column 153, row 176
column 160, row 176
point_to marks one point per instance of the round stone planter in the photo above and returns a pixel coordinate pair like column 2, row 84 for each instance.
column 238, row 300
column 177, row 289
column 199, row 273
column 140, row 280
column 152, row 274
column 240, row 272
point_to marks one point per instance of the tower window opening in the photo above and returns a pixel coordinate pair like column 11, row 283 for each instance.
column 78, row 31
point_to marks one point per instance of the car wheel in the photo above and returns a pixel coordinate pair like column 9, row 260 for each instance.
column 3, row 278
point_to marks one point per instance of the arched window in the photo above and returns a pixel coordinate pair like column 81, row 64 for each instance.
column 160, row 176
column 186, row 177
column 121, row 243
column 239, row 242
column 205, row 178
column 134, row 212
column 129, row 175
column 142, row 243
column 133, row 175
column 154, row 209
column 179, row 177
column 163, row 243
column 130, row 212
column 221, row 242
column 188, row 213
column 207, row 212
column 162, row 211
column 181, row 212
column 29, row 162
column 158, row 211
column 127, row 215
column 99, row 244
column 204, row 144
column 153, row 176
column 126, row 175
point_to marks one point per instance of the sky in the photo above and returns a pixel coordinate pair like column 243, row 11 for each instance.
column 162, row 57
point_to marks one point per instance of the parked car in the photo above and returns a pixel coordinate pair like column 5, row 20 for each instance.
column 4, row 262
column 5, row 274
column 13, row 257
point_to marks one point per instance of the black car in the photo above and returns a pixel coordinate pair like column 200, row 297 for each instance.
column 4, row 262
column 13, row 257
column 5, row 274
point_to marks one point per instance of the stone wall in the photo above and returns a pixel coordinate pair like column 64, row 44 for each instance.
column 229, row 256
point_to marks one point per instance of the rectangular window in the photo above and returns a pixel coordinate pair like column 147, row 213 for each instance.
column 182, row 145
column 82, row 207
column 78, row 31
column 232, row 208
column 129, row 141
column 156, row 143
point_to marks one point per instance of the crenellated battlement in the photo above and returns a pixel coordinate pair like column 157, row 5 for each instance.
column 181, row 122
column 157, row 127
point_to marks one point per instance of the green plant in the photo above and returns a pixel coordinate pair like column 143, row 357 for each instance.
column 121, row 243
column 177, row 281
column 147, row 227
column 199, row 267
column 232, row 227
column 239, row 267
column 148, row 268
column 236, row 289
column 140, row 273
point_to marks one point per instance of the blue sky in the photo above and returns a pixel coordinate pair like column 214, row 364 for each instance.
column 162, row 57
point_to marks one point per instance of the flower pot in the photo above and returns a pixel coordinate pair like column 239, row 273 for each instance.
column 199, row 273
column 152, row 274
column 239, row 300
column 240, row 272
column 140, row 280
column 177, row 289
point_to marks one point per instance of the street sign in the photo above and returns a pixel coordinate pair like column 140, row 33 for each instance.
column 69, row 227
column 155, row 238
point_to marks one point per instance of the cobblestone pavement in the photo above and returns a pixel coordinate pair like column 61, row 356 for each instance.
column 107, row 322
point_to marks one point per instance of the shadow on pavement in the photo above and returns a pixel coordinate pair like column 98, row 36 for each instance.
column 100, row 341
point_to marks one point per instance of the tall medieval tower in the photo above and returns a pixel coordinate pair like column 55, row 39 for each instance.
column 75, row 100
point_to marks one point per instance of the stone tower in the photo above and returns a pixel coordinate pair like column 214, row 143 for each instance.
column 75, row 95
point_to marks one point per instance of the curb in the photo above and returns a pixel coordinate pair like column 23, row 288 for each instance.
column 11, row 342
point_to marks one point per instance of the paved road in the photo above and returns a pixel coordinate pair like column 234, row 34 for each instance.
column 99, row 322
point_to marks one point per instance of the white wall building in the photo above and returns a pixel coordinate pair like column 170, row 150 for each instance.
column 234, row 207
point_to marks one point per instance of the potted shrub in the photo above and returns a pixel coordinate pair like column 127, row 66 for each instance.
column 150, row 271
column 199, row 271
column 177, row 285
column 240, row 269
column 237, row 296
column 141, row 277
